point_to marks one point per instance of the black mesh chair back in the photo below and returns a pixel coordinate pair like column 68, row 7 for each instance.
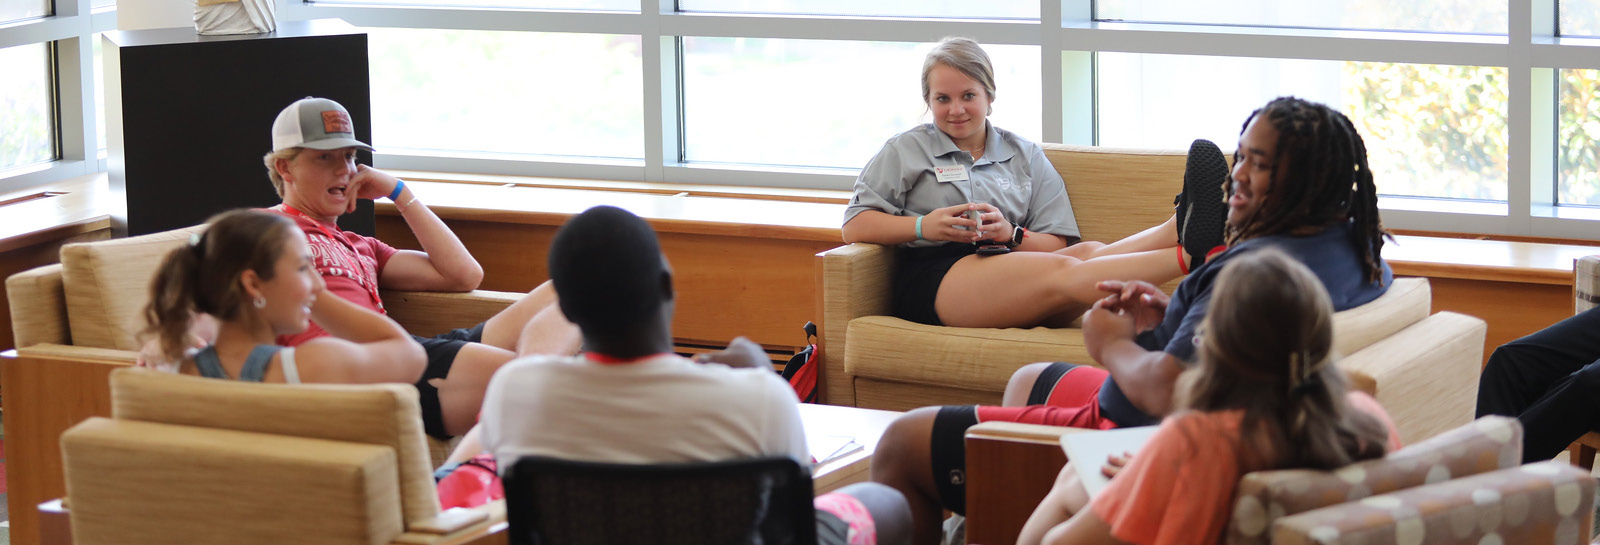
column 764, row 501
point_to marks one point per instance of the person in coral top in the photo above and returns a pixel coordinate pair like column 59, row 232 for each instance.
column 1264, row 395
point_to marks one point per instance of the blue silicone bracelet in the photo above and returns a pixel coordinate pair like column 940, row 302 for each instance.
column 919, row 228
column 399, row 186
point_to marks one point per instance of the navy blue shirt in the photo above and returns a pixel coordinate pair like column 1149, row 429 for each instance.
column 1329, row 254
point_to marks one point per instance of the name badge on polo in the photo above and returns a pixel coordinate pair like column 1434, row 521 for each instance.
column 952, row 173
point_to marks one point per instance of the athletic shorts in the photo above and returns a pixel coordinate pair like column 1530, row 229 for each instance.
column 441, row 350
column 843, row 520
column 1064, row 395
column 918, row 275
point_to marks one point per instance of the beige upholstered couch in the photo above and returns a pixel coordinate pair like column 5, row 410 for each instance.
column 1422, row 368
column 76, row 321
column 191, row 460
column 1460, row 486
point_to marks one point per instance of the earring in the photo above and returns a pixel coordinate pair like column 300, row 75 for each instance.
column 260, row 302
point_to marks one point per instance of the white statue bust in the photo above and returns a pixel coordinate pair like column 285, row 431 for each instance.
column 234, row 16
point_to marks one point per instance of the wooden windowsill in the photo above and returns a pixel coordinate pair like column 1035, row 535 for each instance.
column 82, row 206
column 796, row 214
column 675, row 212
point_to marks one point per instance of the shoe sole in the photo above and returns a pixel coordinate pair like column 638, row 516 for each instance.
column 1204, row 213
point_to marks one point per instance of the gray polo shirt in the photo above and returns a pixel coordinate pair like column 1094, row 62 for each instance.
column 1013, row 175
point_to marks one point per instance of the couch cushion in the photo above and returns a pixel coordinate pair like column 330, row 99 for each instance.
column 380, row 414
column 890, row 348
column 140, row 482
column 107, row 284
column 1407, row 301
column 1547, row 502
column 1488, row 444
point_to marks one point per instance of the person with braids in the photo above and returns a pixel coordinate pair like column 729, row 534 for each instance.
column 1265, row 394
column 252, row 272
column 1300, row 183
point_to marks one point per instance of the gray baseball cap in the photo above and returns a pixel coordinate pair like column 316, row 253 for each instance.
column 315, row 123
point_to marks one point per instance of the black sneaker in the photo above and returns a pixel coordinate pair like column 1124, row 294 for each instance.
column 1201, row 212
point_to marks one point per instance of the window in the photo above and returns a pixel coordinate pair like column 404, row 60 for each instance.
column 507, row 92
column 1578, row 139
column 17, row 10
column 574, row 5
column 25, row 104
column 1430, row 130
column 825, row 103
column 99, row 91
column 1580, row 17
column 994, row 9
column 1459, row 16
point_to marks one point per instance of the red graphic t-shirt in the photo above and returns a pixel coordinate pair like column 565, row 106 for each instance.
column 350, row 265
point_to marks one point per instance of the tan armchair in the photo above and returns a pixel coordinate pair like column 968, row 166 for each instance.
column 191, row 460
column 1423, row 368
column 76, row 321
column 1457, row 487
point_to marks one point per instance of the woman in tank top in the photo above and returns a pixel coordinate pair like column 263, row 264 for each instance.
column 251, row 272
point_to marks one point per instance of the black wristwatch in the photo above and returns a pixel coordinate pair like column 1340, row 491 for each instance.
column 1017, row 233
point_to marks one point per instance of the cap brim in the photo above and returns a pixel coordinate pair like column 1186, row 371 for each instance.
column 336, row 143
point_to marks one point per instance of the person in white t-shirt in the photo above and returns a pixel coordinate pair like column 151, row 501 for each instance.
column 629, row 399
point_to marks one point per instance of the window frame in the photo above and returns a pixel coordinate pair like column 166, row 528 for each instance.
column 1068, row 37
column 67, row 33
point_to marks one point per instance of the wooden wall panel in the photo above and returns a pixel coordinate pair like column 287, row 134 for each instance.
column 1511, row 309
column 759, row 287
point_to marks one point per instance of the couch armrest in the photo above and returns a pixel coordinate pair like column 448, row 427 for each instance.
column 145, row 482
column 486, row 528
column 1551, row 497
column 854, row 281
column 1426, row 375
column 38, row 306
column 429, row 313
column 1010, row 467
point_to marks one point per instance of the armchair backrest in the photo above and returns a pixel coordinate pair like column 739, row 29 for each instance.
column 763, row 500
column 107, row 284
column 1118, row 192
column 386, row 415
column 1488, row 444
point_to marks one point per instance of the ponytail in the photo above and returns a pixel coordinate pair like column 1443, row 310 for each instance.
column 172, row 298
column 202, row 277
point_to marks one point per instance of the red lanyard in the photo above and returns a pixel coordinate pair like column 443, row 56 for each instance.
column 355, row 257
column 603, row 359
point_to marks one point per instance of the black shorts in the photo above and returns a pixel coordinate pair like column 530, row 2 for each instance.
column 917, row 278
column 441, row 350
column 949, row 454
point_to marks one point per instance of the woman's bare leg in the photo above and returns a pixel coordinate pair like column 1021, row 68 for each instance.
column 1161, row 236
column 1065, row 499
column 1023, row 289
column 505, row 330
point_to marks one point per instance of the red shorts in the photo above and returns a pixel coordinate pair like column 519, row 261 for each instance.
column 1073, row 400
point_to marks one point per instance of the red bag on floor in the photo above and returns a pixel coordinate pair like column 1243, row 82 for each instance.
column 801, row 371
column 471, row 484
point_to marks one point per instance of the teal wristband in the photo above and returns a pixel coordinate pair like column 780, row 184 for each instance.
column 919, row 228
column 399, row 186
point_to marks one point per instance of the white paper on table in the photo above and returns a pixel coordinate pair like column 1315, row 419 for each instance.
column 827, row 448
column 1088, row 451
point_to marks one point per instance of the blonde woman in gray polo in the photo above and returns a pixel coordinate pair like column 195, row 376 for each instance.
column 923, row 189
